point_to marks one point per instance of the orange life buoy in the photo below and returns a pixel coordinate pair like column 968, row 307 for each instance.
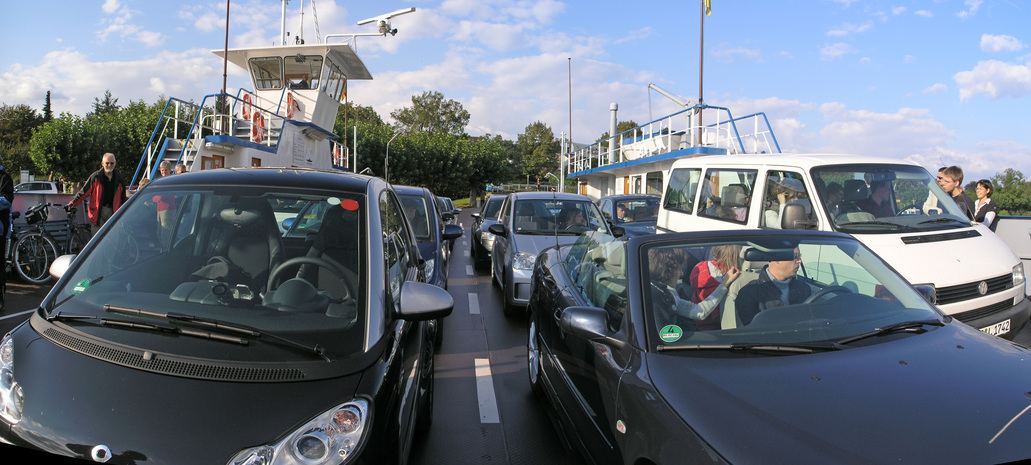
column 257, row 127
column 290, row 105
column 336, row 153
column 246, row 106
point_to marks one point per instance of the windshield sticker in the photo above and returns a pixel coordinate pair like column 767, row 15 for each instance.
column 349, row 205
column 671, row 333
column 81, row 286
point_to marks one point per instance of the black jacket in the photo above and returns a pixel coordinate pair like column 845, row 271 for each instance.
column 762, row 294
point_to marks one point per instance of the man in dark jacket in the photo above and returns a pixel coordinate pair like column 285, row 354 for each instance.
column 776, row 286
column 106, row 192
column 6, row 199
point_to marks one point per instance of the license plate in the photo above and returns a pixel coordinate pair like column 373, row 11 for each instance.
column 998, row 329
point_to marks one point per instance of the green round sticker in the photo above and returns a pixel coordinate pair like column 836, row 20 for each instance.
column 81, row 286
column 671, row 333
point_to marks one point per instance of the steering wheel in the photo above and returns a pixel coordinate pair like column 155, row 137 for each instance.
column 919, row 207
column 825, row 291
column 321, row 263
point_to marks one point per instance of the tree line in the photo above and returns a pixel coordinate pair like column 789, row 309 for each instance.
column 430, row 146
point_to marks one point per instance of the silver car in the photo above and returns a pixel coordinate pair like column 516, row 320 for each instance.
column 529, row 223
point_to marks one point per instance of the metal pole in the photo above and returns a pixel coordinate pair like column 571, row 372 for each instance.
column 561, row 162
column 701, row 55
column 386, row 161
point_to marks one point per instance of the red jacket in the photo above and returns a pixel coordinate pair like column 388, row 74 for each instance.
column 92, row 189
column 703, row 284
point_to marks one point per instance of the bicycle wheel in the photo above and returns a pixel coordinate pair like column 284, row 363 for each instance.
column 33, row 254
column 77, row 239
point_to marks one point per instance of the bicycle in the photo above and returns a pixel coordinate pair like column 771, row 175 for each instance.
column 33, row 252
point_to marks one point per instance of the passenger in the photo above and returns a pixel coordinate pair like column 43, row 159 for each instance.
column 952, row 184
column 707, row 276
column 180, row 168
column 664, row 265
column 986, row 212
column 878, row 203
column 785, row 192
column 622, row 215
column 775, row 287
column 835, row 193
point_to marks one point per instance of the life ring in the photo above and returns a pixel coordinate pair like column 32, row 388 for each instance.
column 336, row 154
column 290, row 105
column 246, row 106
column 257, row 127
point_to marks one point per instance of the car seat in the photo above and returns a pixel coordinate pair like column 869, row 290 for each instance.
column 246, row 245
column 337, row 243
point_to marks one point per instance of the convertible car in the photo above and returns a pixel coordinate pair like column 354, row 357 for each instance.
column 820, row 353
column 222, row 339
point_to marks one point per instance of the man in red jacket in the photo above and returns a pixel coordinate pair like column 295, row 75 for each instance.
column 106, row 192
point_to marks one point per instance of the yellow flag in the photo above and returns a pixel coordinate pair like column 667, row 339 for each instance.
column 708, row 7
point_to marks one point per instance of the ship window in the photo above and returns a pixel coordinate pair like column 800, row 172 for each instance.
column 333, row 81
column 267, row 72
column 302, row 71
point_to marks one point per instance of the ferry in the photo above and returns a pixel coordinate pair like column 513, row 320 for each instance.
column 286, row 120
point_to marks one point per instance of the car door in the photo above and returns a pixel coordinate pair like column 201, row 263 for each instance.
column 585, row 374
column 501, row 243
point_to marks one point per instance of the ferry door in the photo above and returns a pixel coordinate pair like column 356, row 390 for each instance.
column 213, row 162
column 255, row 162
column 626, row 185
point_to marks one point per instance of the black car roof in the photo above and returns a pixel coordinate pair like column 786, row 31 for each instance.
column 282, row 177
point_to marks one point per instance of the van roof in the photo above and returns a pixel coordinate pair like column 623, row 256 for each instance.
column 799, row 160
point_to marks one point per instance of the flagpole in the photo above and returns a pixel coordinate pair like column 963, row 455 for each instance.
column 701, row 61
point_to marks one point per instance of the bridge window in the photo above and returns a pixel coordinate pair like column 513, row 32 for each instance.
column 334, row 83
column 302, row 71
column 267, row 72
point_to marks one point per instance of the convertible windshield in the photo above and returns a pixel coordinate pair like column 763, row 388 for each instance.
column 882, row 198
column 774, row 293
column 282, row 262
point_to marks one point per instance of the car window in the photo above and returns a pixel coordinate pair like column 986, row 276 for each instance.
column 396, row 246
column 727, row 194
column 831, row 288
column 550, row 216
column 783, row 188
column 216, row 253
column 597, row 264
column 682, row 189
column 493, row 207
column 418, row 213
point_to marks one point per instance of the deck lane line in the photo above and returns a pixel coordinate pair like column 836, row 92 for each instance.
column 474, row 304
column 469, row 270
column 485, row 392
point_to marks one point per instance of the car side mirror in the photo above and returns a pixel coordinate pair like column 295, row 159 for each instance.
column 447, row 216
column 794, row 217
column 288, row 223
column 498, row 229
column 618, row 231
column 591, row 323
column 458, row 210
column 60, row 265
column 452, row 231
column 476, row 215
column 422, row 302
column 929, row 294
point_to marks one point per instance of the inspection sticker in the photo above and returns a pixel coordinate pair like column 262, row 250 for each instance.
column 671, row 333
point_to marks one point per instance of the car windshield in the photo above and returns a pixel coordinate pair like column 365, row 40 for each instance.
column 631, row 210
column 790, row 290
column 217, row 253
column 884, row 198
column 550, row 216
column 417, row 212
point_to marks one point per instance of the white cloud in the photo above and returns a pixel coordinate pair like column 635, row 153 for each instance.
column 110, row 6
column 939, row 87
column 727, row 55
column 847, row 29
column 972, row 7
column 122, row 26
column 995, row 79
column 905, row 134
column 897, row 10
column 924, row 13
column 835, row 51
column 1001, row 43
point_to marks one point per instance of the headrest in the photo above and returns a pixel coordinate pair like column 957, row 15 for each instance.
column 246, row 212
column 335, row 231
column 855, row 189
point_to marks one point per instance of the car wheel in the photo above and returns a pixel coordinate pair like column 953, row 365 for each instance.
column 493, row 275
column 533, row 359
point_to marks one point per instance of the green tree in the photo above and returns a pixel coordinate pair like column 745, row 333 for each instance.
column 1012, row 192
column 48, row 111
column 104, row 107
column 621, row 127
column 17, row 123
column 431, row 112
column 538, row 150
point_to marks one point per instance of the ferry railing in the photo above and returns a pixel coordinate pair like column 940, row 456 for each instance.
column 682, row 130
column 200, row 121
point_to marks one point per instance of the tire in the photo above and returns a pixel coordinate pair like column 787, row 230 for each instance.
column 533, row 358
column 33, row 255
column 424, row 417
column 76, row 241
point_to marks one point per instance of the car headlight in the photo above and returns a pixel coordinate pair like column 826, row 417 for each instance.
column 332, row 437
column 523, row 261
column 12, row 399
column 430, row 270
column 1018, row 275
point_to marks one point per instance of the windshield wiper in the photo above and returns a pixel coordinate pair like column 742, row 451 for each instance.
column 790, row 347
column 942, row 220
column 907, row 326
column 222, row 326
column 171, row 329
column 878, row 223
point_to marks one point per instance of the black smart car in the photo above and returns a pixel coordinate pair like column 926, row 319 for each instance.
column 220, row 339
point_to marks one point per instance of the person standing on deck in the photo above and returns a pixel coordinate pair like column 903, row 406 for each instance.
column 106, row 191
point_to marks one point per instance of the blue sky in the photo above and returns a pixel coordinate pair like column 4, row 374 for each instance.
column 933, row 81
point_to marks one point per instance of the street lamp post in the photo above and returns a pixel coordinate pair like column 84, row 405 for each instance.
column 386, row 161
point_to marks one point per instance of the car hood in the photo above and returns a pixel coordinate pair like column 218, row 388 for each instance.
column 951, row 395
column 638, row 228
column 534, row 244
column 74, row 402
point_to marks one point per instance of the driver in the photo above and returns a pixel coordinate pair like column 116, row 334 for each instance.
column 776, row 286
column 878, row 203
column 571, row 218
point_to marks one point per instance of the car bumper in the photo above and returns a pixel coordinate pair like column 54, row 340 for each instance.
column 518, row 288
column 1014, row 318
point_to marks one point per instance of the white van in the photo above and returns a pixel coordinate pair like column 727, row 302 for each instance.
column 895, row 208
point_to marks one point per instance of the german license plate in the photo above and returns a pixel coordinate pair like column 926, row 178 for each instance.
column 998, row 329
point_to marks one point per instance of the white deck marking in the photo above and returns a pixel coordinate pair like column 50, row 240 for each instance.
column 485, row 392
column 474, row 304
column 469, row 270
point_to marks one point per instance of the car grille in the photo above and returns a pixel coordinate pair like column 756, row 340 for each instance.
column 171, row 366
column 978, row 313
column 961, row 292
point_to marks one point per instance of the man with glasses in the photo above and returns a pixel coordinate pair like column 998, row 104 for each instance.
column 776, row 286
column 106, row 192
